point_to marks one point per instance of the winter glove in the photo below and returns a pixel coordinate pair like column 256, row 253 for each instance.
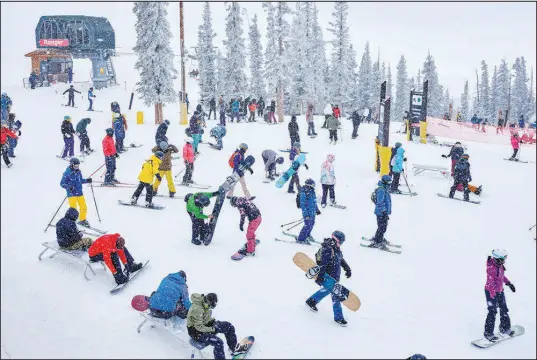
column 251, row 171
column 444, row 156
column 71, row 189
column 404, row 159
column 306, row 166
column 241, row 226
column 215, row 193
column 318, row 212
column 116, row 155
column 19, row 133
column 89, row 180
column 511, row 286
column 348, row 273
column 210, row 323
column 120, row 278
column 159, row 178
column 67, row 135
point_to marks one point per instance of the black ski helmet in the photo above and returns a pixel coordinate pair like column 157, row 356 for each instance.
column 279, row 160
column 309, row 183
column 233, row 200
column 211, row 299
column 339, row 235
column 74, row 161
column 159, row 154
column 110, row 132
column 201, row 200
column 183, row 274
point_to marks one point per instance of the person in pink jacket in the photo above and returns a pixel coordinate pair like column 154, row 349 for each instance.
column 495, row 295
column 515, row 143
column 188, row 155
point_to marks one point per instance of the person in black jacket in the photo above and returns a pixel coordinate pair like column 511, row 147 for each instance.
column 355, row 117
column 455, row 153
column 68, row 132
column 462, row 176
column 212, row 108
column 293, row 130
column 261, row 106
column 71, row 92
column 68, row 235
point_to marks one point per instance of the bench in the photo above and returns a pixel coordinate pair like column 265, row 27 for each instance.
column 418, row 169
column 175, row 326
column 80, row 256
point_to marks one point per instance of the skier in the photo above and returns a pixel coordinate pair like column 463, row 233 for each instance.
column 495, row 295
column 455, row 153
column 188, row 155
column 295, row 151
column 218, row 132
column 165, row 168
column 72, row 181
column 521, row 122
column 12, row 142
column 171, row 298
column 67, row 233
column 82, row 132
column 161, row 132
column 330, row 259
column 499, row 127
column 308, row 203
column 332, row 124
column 114, row 106
column 252, row 107
column 235, row 161
column 222, row 110
column 195, row 130
column 272, row 110
column 5, row 106
column 355, row 117
column 71, row 95
column 383, row 208
column 270, row 159
column 397, row 167
column 194, row 207
column 70, row 74
column 33, row 79
column 260, row 106
column 462, row 176
column 309, row 120
column 149, row 169
column 328, row 180
column 110, row 156
column 203, row 328
column 212, row 108
column 4, row 136
column 235, row 110
column 247, row 208
column 515, row 143
column 68, row 131
column 110, row 248
column 91, row 97
column 293, row 130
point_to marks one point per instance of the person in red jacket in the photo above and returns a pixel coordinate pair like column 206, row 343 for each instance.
column 336, row 111
column 110, row 248
column 188, row 155
column 4, row 148
column 515, row 143
column 110, row 156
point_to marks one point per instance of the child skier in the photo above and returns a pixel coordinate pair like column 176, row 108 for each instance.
column 91, row 97
column 110, row 156
column 293, row 130
column 72, row 181
column 295, row 151
column 330, row 259
column 188, row 155
column 235, row 162
column 308, row 204
column 71, row 95
column 194, row 207
column 149, row 170
column 247, row 208
column 252, row 107
column 171, row 298
column 119, row 131
column 67, row 233
column 455, row 153
column 328, row 180
column 165, row 168
column 332, row 123
column 397, row 167
column 383, row 209
column 270, row 159
column 515, row 143
column 462, row 176
column 218, row 132
column 82, row 132
column 495, row 295
column 5, row 134
column 69, row 141
column 195, row 130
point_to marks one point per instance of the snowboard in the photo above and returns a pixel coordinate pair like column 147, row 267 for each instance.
column 222, row 190
column 299, row 161
column 484, row 343
column 127, row 203
column 249, row 340
column 119, row 287
column 289, row 150
column 454, row 198
column 347, row 297
column 68, row 159
column 238, row 256
column 140, row 302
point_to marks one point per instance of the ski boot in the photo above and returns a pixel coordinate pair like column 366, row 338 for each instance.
column 312, row 305
column 491, row 337
column 133, row 267
column 172, row 194
column 115, row 181
column 323, row 205
column 109, row 183
column 378, row 245
column 243, row 252
column 196, row 242
column 291, row 191
column 149, row 205
column 341, row 322
column 134, row 200
column 84, row 223
column 240, row 349
column 507, row 332
column 479, row 190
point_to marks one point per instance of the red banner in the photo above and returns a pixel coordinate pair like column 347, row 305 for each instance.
column 54, row 42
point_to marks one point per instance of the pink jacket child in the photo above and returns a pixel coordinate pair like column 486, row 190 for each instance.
column 247, row 208
column 515, row 143
column 495, row 277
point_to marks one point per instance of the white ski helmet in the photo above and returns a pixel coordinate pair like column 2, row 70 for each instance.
column 499, row 254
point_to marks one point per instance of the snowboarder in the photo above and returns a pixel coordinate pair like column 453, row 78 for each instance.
column 455, row 153
column 71, row 95
column 195, row 130
column 515, row 143
column 72, row 181
column 4, row 136
column 212, row 108
column 68, row 235
column 203, row 328
column 91, row 97
column 270, row 159
column 495, row 295
column 383, row 208
column 222, row 110
column 110, row 248
column 330, row 259
column 110, row 156
column 68, row 131
column 247, row 208
column 462, row 176
column 308, row 203
column 293, row 130
column 149, row 170
column 14, row 126
column 260, row 106
column 82, row 132
column 171, row 298
column 328, row 180
column 295, row 151
column 397, row 167
column 188, row 155
column 332, row 124
column 165, row 168
column 235, row 162
column 161, row 132
column 309, row 120
column 194, row 207
column 218, row 132
column 355, row 117
column 119, row 131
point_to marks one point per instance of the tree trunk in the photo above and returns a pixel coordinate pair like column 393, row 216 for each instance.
column 279, row 107
column 159, row 117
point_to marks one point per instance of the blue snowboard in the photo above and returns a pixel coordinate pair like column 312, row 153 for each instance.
column 299, row 161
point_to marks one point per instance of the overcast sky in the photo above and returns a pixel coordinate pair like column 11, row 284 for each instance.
column 458, row 35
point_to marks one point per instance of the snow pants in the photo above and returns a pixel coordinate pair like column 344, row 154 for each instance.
column 199, row 229
column 212, row 111
column 169, row 179
column 260, row 111
column 294, row 139
column 110, row 162
column 327, row 188
column 355, row 130
column 515, row 151
column 12, row 142
column 148, row 191
column 69, row 147
column 336, row 304
column 464, row 184
column 306, row 229
column 333, row 135
column 252, row 116
column 382, row 225
column 311, row 128
column 223, row 118
column 395, row 181
column 492, row 305
column 5, row 153
column 196, row 138
column 84, row 142
column 71, row 101
column 189, row 170
column 271, row 117
column 119, row 144
column 90, row 105
column 221, row 327
column 244, row 188
column 121, row 254
column 82, row 244
column 294, row 180
column 82, row 206
column 250, row 233
column 235, row 114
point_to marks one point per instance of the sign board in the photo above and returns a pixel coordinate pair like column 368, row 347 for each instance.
column 416, row 100
column 54, row 42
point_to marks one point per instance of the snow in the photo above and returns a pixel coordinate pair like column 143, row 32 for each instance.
column 428, row 300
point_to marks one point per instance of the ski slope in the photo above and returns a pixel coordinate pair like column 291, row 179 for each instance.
column 428, row 300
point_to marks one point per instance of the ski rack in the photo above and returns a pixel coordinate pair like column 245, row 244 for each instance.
column 74, row 254
column 418, row 169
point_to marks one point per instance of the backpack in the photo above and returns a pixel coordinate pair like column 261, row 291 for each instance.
column 319, row 253
column 374, row 196
column 230, row 161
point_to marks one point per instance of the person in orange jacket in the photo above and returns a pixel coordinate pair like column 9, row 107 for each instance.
column 252, row 107
column 4, row 148
column 110, row 248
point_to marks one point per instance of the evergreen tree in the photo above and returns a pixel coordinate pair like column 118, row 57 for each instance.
column 271, row 52
column 494, row 97
column 374, row 87
column 465, row 111
column 484, row 93
column 447, row 102
column 418, row 85
column 236, row 82
column 364, row 79
column 340, row 76
column 155, row 56
column 503, row 85
column 519, row 92
column 402, row 90
column 206, row 57
column 257, row 78
column 282, row 29
column 299, row 66
column 435, row 93
column 221, row 75
column 352, row 88
column 531, row 100
column 318, row 63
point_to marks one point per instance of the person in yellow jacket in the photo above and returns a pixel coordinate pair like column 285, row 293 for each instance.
column 165, row 169
column 149, row 170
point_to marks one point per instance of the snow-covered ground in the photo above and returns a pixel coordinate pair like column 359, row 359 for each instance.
column 428, row 300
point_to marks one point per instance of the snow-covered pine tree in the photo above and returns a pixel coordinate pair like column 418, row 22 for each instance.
column 447, row 102
column 402, row 90
column 374, row 88
column 221, row 77
column 493, row 111
column 465, row 111
column 206, row 57
column 364, row 79
column 435, row 92
column 503, row 85
column 519, row 92
column 271, row 53
column 257, row 76
column 235, row 50
column 484, row 93
column 352, row 88
column 418, row 85
column 155, row 56
column 531, row 100
column 318, row 63
column 299, row 66
column 282, row 28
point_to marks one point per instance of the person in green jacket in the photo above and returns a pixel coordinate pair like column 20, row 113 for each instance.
column 203, row 328
column 194, row 206
column 83, row 136
column 332, row 123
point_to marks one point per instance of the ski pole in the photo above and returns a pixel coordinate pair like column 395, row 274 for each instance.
column 408, row 186
column 95, row 201
column 292, row 222
column 531, row 227
column 56, row 213
column 300, row 222
column 93, row 173
column 179, row 173
column 61, row 152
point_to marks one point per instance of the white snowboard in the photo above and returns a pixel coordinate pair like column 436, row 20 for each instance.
column 484, row 343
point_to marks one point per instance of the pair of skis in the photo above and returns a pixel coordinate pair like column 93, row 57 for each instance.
column 389, row 247
column 295, row 239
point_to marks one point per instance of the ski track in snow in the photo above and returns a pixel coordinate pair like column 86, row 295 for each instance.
column 429, row 300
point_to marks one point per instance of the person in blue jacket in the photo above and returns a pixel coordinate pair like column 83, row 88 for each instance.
column 195, row 130
column 171, row 297
column 5, row 104
column 397, row 167
column 68, row 235
column 160, row 136
column 521, row 122
column 383, row 210
column 91, row 96
column 72, row 181
column 33, row 80
column 330, row 259
column 218, row 132
column 119, row 132
column 70, row 74
column 295, row 180
column 235, row 106
column 308, row 205
column 238, row 157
